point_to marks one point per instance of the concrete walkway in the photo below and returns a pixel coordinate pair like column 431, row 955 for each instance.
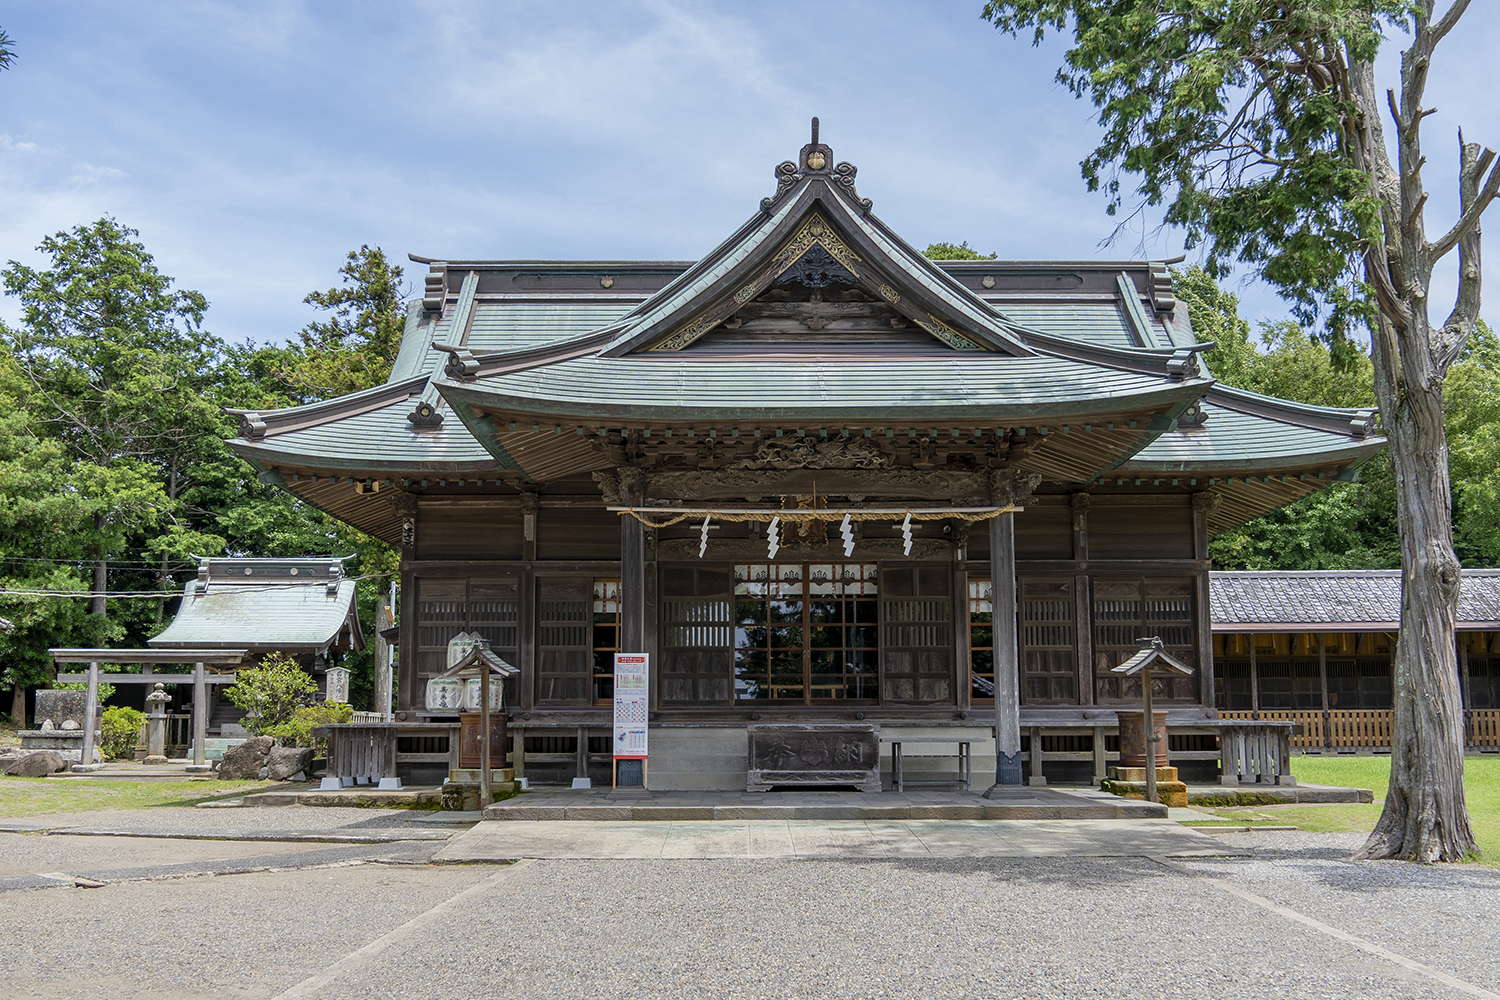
column 492, row 841
column 622, row 805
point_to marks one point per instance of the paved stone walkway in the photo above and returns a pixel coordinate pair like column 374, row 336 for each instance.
column 503, row 841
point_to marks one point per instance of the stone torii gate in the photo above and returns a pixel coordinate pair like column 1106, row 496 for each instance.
column 148, row 659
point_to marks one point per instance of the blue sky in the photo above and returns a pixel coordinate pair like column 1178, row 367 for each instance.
column 253, row 144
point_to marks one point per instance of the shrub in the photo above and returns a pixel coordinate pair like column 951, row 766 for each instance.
column 271, row 693
column 121, row 731
column 298, row 731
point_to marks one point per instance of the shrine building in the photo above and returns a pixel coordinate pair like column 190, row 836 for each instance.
column 800, row 473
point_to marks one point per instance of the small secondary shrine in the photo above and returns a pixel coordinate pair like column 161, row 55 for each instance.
column 801, row 473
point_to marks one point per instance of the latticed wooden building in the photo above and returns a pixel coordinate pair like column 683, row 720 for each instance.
column 580, row 457
column 1316, row 648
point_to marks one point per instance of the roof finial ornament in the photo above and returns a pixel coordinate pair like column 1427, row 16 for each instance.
column 816, row 159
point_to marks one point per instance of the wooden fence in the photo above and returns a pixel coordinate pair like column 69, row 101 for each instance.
column 1312, row 734
column 1482, row 727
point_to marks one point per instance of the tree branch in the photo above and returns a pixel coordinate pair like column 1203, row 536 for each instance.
column 1448, row 20
column 1470, row 218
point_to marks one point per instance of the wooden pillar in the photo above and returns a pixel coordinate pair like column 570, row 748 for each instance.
column 632, row 568
column 1254, row 678
column 1464, row 686
column 1100, row 756
column 651, row 615
column 1036, row 777
column 200, row 720
column 90, row 710
column 486, row 794
column 407, row 695
column 1083, row 607
column 1323, row 676
column 1204, row 505
column 380, row 700
column 1007, row 666
column 526, row 610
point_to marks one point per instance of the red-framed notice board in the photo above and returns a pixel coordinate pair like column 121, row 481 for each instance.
column 632, row 705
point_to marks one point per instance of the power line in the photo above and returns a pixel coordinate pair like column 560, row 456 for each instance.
column 125, row 595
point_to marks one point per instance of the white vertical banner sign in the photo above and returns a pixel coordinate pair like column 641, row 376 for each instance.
column 632, row 703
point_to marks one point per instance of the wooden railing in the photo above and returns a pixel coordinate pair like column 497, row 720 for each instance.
column 1359, row 728
column 1482, row 727
column 1257, row 752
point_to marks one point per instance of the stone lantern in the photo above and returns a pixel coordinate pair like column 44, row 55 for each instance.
column 156, row 725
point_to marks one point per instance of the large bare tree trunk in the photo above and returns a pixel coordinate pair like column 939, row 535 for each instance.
column 1425, row 817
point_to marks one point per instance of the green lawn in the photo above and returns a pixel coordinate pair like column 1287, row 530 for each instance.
column 43, row 796
column 1481, row 788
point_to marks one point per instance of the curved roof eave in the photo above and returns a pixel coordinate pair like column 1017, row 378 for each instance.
column 467, row 394
column 266, row 457
column 1351, row 457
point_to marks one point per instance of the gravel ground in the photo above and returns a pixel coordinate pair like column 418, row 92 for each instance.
column 167, row 820
column 32, row 853
column 1034, row 928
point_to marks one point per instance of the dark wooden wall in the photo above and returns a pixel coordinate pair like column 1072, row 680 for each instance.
column 1131, row 549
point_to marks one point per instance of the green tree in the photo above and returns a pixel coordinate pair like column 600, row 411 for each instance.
column 947, row 251
column 271, row 693
column 354, row 348
column 1258, row 126
column 113, row 364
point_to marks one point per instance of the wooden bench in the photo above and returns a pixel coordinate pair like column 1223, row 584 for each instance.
column 965, row 760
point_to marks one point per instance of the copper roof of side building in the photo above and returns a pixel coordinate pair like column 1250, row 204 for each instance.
column 291, row 605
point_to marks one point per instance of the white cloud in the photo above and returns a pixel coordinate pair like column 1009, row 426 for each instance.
column 253, row 145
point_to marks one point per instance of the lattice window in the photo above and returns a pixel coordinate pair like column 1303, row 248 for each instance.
column 917, row 635
column 696, row 636
column 1129, row 609
column 1049, row 665
column 564, row 642
column 450, row 605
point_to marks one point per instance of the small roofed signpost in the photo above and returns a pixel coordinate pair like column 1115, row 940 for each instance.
column 1152, row 654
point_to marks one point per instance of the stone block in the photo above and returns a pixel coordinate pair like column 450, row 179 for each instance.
column 619, row 814
column 804, row 754
column 62, row 706
column 284, row 762
column 755, row 812
column 37, row 765
column 247, row 760
column 1139, row 774
column 946, row 811
column 670, row 813
column 1169, row 793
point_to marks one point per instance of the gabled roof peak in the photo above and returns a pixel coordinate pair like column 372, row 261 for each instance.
column 816, row 159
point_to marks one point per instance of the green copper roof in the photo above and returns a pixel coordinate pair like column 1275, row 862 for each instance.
column 961, row 387
column 375, row 439
column 253, row 613
column 499, row 327
column 1236, row 437
column 1097, row 322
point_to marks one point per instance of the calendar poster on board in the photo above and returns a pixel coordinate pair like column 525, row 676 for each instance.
column 632, row 704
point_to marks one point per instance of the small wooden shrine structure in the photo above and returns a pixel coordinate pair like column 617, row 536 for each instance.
column 815, row 476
